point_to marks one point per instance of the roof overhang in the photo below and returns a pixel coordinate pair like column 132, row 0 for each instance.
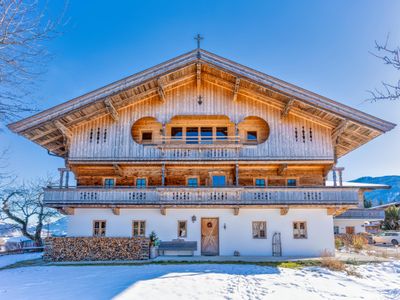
column 350, row 127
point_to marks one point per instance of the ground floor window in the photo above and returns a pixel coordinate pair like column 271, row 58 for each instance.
column 259, row 230
column 99, row 228
column 336, row 229
column 350, row 230
column 260, row 182
column 109, row 182
column 141, row 182
column 182, row 229
column 299, row 230
column 139, row 228
column 193, row 181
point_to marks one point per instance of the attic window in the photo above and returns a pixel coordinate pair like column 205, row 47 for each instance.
column 147, row 137
column 251, row 136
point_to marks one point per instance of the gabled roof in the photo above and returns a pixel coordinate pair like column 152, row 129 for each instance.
column 48, row 128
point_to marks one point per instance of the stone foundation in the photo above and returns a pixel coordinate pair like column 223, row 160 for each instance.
column 96, row 248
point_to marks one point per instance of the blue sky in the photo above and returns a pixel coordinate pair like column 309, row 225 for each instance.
column 318, row 45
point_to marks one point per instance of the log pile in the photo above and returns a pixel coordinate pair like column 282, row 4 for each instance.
column 96, row 248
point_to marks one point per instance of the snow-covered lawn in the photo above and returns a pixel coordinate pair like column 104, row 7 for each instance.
column 199, row 281
column 6, row 260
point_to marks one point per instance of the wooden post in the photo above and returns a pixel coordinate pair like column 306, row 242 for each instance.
column 66, row 178
column 163, row 174
column 237, row 174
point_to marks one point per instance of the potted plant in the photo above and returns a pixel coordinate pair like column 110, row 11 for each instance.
column 154, row 242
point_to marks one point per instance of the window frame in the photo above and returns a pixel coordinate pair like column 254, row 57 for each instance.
column 109, row 178
column 192, row 177
column 299, row 236
column 150, row 141
column 100, row 228
column 259, row 237
column 260, row 178
column 139, row 228
column 177, row 138
column 141, row 186
column 185, row 235
column 251, row 140
column 291, row 178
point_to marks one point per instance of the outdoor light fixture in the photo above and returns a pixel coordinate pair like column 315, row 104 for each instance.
column 193, row 218
column 225, row 226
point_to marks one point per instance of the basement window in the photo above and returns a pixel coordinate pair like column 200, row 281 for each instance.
column 182, row 229
column 299, row 230
column 99, row 228
column 139, row 228
column 259, row 230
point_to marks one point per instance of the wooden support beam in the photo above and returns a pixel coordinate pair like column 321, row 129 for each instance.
column 163, row 211
column 198, row 78
column 118, row 170
column 66, row 210
column 337, row 132
column 160, row 90
column 236, row 89
column 111, row 109
column 288, row 106
column 116, row 210
column 284, row 210
column 66, row 132
column 282, row 169
column 335, row 211
column 236, row 211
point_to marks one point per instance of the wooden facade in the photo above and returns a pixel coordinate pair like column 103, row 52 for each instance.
column 194, row 118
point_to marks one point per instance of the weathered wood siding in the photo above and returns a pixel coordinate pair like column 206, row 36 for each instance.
column 104, row 139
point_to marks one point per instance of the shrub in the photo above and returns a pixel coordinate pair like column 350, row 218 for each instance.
column 330, row 262
column 338, row 243
column 359, row 242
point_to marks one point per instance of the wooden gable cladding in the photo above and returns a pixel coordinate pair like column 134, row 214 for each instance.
column 240, row 82
column 293, row 137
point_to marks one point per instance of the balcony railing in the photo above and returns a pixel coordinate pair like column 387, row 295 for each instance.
column 201, row 196
column 363, row 213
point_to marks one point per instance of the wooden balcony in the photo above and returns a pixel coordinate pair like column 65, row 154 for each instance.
column 363, row 213
column 201, row 196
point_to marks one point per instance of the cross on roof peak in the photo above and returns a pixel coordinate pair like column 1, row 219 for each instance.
column 198, row 38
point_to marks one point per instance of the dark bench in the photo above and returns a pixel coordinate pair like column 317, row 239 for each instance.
column 177, row 247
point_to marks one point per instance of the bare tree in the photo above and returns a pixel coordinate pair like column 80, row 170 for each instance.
column 25, row 26
column 390, row 56
column 23, row 207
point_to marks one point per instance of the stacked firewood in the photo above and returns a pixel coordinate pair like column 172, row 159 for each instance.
column 96, row 248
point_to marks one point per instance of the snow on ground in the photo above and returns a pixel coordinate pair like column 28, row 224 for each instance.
column 199, row 281
column 6, row 260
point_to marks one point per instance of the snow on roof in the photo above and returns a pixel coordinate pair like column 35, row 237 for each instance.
column 360, row 185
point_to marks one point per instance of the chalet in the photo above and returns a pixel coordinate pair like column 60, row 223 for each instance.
column 204, row 150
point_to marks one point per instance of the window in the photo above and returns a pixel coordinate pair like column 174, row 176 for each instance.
column 222, row 133
column 109, row 182
column 336, row 229
column 291, row 182
column 206, row 135
column 192, row 135
column 176, row 133
column 139, row 228
column 182, row 229
column 218, row 180
column 349, row 229
column 141, row 182
column 260, row 182
column 147, row 137
column 193, row 181
column 259, row 230
column 99, row 228
column 299, row 230
column 252, row 136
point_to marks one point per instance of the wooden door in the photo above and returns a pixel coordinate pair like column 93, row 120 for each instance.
column 349, row 229
column 209, row 236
